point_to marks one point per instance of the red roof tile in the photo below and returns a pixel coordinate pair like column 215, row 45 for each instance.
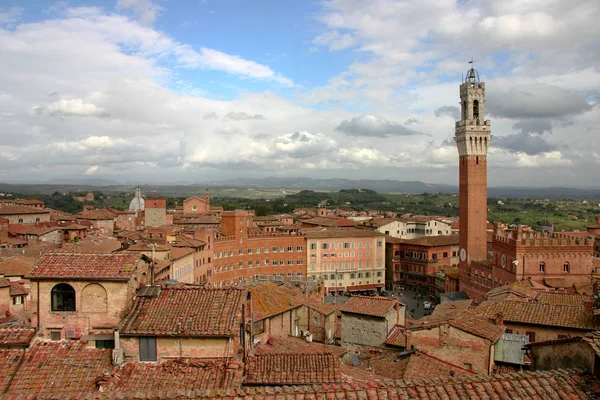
column 373, row 306
column 398, row 337
column 9, row 361
column 86, row 266
column 296, row 345
column 424, row 366
column 13, row 210
column 179, row 374
column 180, row 252
column 271, row 299
column 37, row 230
column 100, row 214
column 60, row 366
column 17, row 289
column 564, row 385
column 16, row 336
column 17, row 266
column 293, row 369
column 186, row 311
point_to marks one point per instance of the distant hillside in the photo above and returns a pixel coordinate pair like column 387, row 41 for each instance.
column 276, row 187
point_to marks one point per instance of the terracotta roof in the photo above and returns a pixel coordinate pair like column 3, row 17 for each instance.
column 186, row 311
column 86, row 266
column 372, row 306
column 270, row 299
column 452, row 272
column 425, row 366
column 398, row 337
column 178, row 374
column 12, row 210
column 296, row 345
column 180, row 252
column 17, row 265
column 353, row 375
column 145, row 247
column 433, row 241
column 566, row 316
column 93, row 244
column 56, row 215
column 321, row 308
column 341, row 233
column 17, row 289
column 60, row 366
column 16, row 336
column 563, row 298
column 293, row 369
column 9, row 361
column 22, row 229
column 559, row 384
column 515, row 288
column 72, row 227
column 102, row 214
column 4, row 282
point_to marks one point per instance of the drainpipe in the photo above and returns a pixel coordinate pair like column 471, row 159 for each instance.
column 38, row 306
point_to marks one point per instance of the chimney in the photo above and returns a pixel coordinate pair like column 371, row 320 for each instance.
column 499, row 319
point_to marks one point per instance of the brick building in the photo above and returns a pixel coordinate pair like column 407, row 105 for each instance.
column 183, row 322
column 21, row 214
column 101, row 220
column 84, row 294
column 472, row 140
column 347, row 260
column 553, row 259
column 197, row 205
column 239, row 257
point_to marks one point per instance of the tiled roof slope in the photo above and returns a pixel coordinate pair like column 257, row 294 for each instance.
column 372, row 306
column 555, row 385
column 341, row 233
column 9, row 361
column 11, row 210
column 398, row 337
column 564, row 299
column 186, row 311
column 100, row 214
column 270, row 299
column 17, row 289
column 17, row 266
column 293, row 369
column 296, row 345
column 86, row 266
column 424, row 366
column 178, row 374
column 432, row 241
column 575, row 317
column 16, row 336
column 60, row 367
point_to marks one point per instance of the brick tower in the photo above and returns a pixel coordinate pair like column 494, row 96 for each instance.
column 472, row 140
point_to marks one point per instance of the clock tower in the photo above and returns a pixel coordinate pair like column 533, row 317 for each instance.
column 472, row 136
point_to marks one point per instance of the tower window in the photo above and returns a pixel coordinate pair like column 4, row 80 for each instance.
column 566, row 267
column 475, row 109
column 464, row 110
column 477, row 160
column 542, row 267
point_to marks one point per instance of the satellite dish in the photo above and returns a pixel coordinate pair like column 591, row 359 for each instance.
column 355, row 360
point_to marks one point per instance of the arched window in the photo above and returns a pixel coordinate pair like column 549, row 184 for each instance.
column 63, row 297
column 566, row 267
column 93, row 298
column 542, row 267
column 475, row 109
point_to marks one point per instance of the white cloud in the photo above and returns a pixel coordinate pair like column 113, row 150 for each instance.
column 91, row 170
column 10, row 16
column 146, row 11
column 75, row 107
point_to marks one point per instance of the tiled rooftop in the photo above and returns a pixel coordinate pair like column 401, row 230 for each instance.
column 60, row 366
column 17, row 289
column 9, row 361
column 296, row 345
column 180, row 252
column 271, row 299
column 563, row 385
column 566, row 316
column 372, row 306
column 433, row 241
column 424, row 366
column 398, row 337
column 292, row 369
column 36, row 230
column 186, row 311
column 86, row 266
column 16, row 336
column 178, row 374
column 341, row 233
column 100, row 214
column 12, row 210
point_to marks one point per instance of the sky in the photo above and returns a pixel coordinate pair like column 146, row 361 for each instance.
column 206, row 90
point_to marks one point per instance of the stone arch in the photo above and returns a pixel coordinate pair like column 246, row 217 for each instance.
column 94, row 298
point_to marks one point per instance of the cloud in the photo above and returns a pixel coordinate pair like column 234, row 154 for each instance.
column 538, row 126
column 523, row 142
column 216, row 60
column 534, row 100
column 70, row 108
column 91, row 170
column 371, row 125
column 145, row 11
column 303, row 144
column 449, row 111
column 211, row 115
column 10, row 16
column 242, row 116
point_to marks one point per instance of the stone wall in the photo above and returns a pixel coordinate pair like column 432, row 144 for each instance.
column 176, row 347
column 563, row 356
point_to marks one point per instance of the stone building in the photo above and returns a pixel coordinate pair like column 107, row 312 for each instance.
column 347, row 260
column 367, row 321
column 579, row 352
column 155, row 212
column 457, row 335
column 101, row 220
column 20, row 214
column 84, row 294
column 183, row 322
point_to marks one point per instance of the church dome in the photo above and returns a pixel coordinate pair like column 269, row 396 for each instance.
column 137, row 204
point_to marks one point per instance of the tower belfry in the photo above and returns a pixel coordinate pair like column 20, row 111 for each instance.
column 472, row 135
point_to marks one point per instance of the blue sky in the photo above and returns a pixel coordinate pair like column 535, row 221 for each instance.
column 196, row 90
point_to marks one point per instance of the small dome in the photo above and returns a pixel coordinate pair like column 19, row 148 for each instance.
column 137, row 204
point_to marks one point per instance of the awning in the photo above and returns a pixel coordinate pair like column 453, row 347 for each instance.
column 372, row 286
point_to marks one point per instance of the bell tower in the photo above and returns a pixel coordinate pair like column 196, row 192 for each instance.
column 472, row 136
